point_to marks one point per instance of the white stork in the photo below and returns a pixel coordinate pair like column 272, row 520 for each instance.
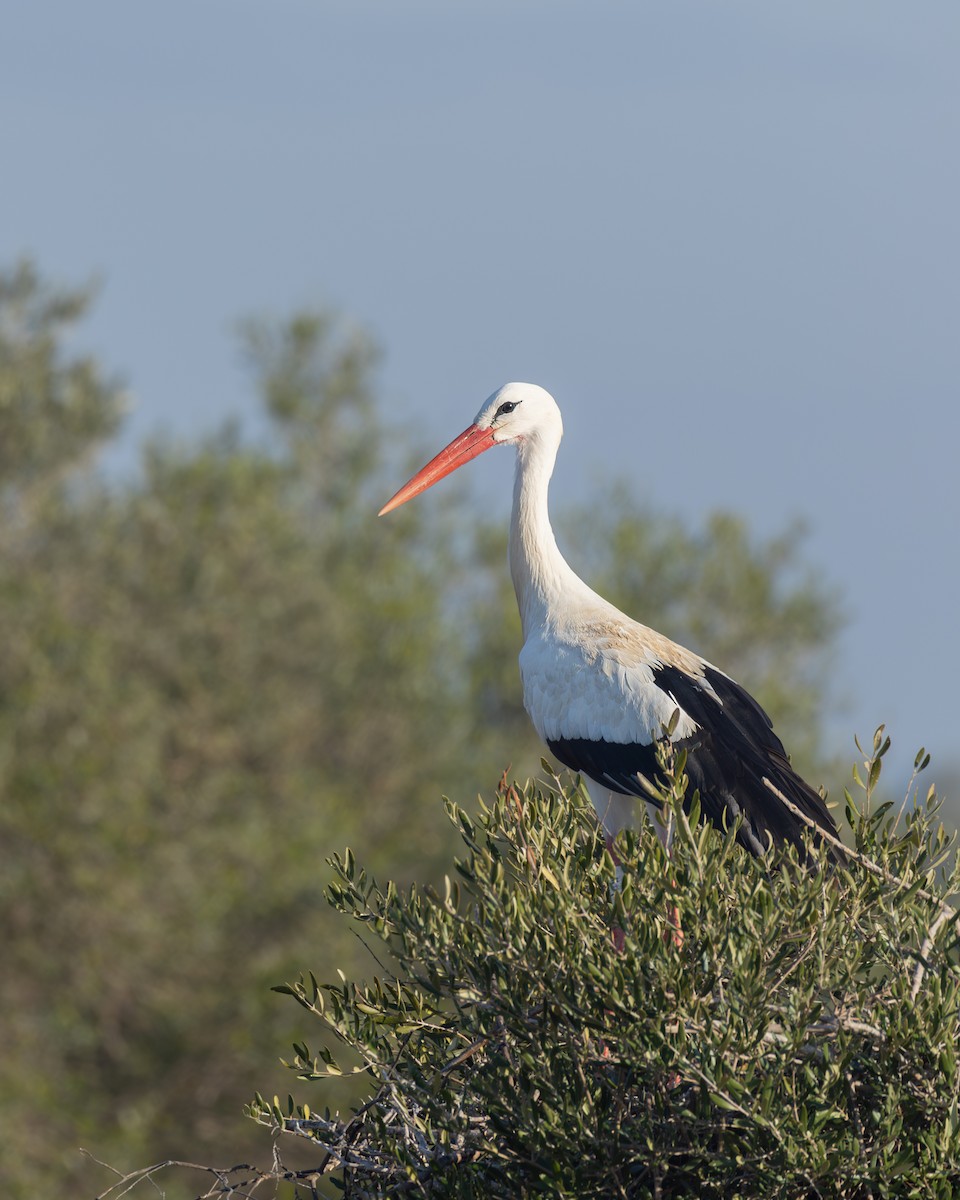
column 601, row 688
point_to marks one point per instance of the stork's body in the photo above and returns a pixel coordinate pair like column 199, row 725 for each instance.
column 600, row 687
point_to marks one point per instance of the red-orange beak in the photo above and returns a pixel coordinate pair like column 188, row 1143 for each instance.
column 469, row 444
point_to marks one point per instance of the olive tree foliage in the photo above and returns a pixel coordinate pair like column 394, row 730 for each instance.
column 770, row 1027
column 211, row 676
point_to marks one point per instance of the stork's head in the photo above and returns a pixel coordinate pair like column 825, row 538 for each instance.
column 516, row 414
column 518, row 411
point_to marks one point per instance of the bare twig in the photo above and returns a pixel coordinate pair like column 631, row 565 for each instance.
column 225, row 1184
column 869, row 864
column 926, row 947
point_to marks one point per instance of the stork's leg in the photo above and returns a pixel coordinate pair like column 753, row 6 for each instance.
column 665, row 830
column 619, row 937
column 674, row 931
column 673, row 934
column 617, row 812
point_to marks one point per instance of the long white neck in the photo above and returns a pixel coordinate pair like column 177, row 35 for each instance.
column 541, row 575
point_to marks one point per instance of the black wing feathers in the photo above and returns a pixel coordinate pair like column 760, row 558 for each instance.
column 609, row 763
column 728, row 758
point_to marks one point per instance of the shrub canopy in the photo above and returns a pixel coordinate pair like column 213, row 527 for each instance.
column 798, row 1039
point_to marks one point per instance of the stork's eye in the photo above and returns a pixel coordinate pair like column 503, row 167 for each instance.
column 507, row 407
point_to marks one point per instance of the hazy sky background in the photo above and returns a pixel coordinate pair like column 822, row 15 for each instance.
column 725, row 235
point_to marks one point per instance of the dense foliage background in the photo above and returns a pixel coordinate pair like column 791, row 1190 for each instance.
column 217, row 673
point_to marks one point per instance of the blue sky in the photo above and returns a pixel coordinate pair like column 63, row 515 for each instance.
column 725, row 235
